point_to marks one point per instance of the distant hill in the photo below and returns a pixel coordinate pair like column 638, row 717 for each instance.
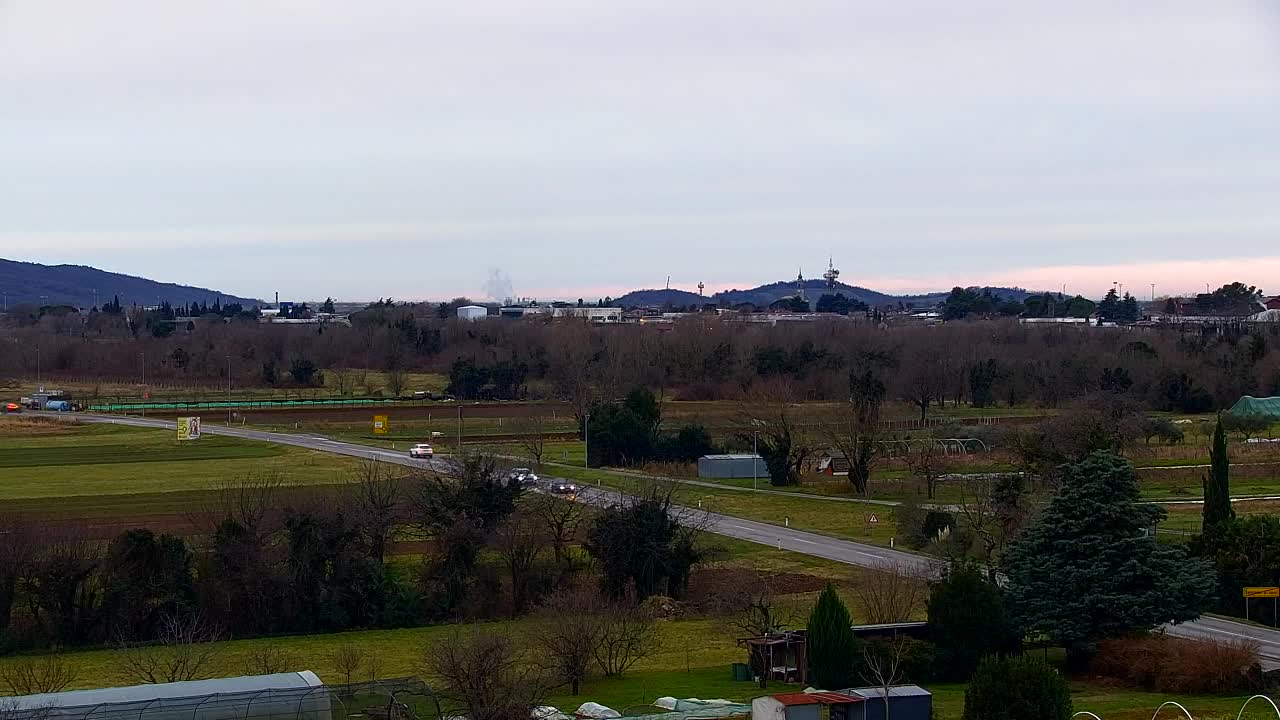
column 813, row 289
column 74, row 285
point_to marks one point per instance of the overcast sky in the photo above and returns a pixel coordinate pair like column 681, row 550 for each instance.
column 412, row 149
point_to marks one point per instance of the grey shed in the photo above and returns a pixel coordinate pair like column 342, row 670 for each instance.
column 723, row 467
column 906, row 702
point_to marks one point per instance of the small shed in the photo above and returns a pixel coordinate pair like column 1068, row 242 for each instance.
column 906, row 702
column 808, row 706
column 472, row 313
column 723, row 467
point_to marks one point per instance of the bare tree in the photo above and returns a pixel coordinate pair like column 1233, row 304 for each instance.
column 18, row 542
column 185, row 650
column 531, row 433
column 373, row 666
column 891, row 594
column 348, row 659
column 926, row 465
column 569, row 630
column 519, row 541
column 561, row 518
column 856, row 433
column 378, row 501
column 771, row 427
column 395, row 381
column 486, row 676
column 269, row 659
column 883, row 662
column 45, row 674
column 627, row 636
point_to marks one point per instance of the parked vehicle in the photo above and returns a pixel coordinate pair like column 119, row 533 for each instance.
column 58, row 406
column 422, row 451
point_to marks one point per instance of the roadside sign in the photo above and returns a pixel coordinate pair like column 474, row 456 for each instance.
column 188, row 428
column 1262, row 592
column 380, row 425
column 873, row 519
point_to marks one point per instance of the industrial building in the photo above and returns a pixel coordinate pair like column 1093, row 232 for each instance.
column 472, row 313
column 727, row 467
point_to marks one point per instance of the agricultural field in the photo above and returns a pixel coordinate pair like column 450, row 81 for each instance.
column 74, row 467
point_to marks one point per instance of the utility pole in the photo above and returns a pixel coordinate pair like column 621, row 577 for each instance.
column 458, row 451
column 38, row 368
column 586, row 441
column 228, row 390
column 755, row 455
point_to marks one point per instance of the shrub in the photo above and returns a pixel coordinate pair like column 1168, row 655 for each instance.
column 1016, row 689
column 1176, row 665
column 967, row 621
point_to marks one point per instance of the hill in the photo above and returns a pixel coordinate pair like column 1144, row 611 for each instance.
column 37, row 284
column 766, row 294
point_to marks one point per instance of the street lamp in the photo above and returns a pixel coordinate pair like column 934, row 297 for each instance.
column 38, row 367
column 586, row 440
column 228, row 391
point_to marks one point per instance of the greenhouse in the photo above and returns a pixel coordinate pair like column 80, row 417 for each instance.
column 283, row 696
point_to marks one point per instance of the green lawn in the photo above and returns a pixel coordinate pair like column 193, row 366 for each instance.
column 104, row 460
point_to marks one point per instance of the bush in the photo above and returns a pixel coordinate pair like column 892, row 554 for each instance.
column 1016, row 689
column 1176, row 665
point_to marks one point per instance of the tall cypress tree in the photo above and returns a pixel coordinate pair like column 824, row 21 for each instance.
column 1217, row 484
column 831, row 645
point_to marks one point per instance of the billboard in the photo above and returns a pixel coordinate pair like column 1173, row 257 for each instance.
column 188, row 428
column 380, row 425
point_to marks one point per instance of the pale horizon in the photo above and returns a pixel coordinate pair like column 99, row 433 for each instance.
column 581, row 150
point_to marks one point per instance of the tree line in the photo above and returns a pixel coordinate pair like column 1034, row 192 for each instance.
column 266, row 561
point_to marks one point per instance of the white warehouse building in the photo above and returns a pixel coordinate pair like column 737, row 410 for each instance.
column 472, row 313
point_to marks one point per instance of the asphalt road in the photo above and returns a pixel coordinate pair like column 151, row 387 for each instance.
column 843, row 551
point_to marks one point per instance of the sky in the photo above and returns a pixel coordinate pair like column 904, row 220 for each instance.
column 577, row 148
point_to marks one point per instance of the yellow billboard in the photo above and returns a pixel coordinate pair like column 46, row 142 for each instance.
column 1262, row 592
column 188, row 428
column 380, row 425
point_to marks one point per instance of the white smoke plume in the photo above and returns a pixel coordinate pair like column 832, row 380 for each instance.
column 499, row 287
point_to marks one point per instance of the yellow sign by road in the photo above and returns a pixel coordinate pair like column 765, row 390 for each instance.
column 1262, row 592
column 380, row 425
column 188, row 428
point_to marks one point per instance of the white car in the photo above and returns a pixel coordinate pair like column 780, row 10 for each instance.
column 524, row 476
column 422, row 451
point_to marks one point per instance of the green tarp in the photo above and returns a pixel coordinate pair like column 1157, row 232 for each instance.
column 1268, row 407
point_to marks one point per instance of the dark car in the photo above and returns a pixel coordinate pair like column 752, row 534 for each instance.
column 563, row 488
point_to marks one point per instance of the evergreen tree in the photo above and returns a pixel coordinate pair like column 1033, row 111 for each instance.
column 1090, row 567
column 1217, row 485
column 967, row 621
column 1109, row 308
column 1017, row 689
column 832, row 648
column 1129, row 311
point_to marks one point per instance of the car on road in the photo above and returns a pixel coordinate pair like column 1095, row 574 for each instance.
column 422, row 451
column 12, row 407
column 524, row 476
column 564, row 488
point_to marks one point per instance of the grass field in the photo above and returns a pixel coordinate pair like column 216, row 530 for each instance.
column 81, row 460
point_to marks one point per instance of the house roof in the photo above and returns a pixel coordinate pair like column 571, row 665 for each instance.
column 817, row 698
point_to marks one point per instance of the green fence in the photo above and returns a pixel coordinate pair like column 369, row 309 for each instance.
column 249, row 404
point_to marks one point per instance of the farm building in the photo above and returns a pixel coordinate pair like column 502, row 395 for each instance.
column 906, row 702
column 808, row 706
column 472, row 313
column 723, row 467
column 281, row 696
